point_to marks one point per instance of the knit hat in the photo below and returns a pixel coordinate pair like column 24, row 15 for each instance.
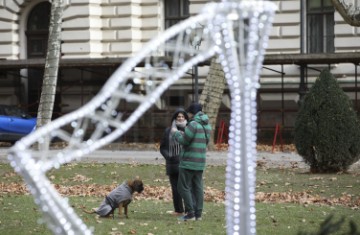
column 194, row 108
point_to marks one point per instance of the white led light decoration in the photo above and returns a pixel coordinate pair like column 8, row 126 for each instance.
column 235, row 31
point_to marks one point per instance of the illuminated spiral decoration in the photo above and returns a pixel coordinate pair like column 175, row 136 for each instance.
column 237, row 32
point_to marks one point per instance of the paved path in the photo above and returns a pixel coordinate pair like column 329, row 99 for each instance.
column 277, row 159
column 154, row 157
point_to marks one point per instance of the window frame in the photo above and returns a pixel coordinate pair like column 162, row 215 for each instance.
column 38, row 35
column 324, row 20
column 181, row 11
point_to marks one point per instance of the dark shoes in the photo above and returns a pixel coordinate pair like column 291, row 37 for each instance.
column 187, row 217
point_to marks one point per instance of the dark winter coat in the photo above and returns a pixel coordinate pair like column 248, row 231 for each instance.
column 172, row 162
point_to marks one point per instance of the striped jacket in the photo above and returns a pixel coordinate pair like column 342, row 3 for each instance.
column 194, row 139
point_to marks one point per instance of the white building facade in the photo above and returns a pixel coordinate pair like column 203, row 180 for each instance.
column 103, row 29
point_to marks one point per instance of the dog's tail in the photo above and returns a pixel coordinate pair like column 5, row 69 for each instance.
column 93, row 211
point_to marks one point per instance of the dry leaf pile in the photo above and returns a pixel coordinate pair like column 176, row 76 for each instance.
column 211, row 195
column 156, row 146
column 306, row 198
column 263, row 147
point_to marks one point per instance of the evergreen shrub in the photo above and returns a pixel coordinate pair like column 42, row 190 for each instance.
column 327, row 129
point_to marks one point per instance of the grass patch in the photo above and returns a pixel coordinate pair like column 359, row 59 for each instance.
column 20, row 215
column 285, row 219
column 298, row 180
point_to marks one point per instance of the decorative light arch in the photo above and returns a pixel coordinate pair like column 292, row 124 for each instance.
column 235, row 31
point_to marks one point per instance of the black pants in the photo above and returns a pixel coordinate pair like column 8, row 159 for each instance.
column 177, row 199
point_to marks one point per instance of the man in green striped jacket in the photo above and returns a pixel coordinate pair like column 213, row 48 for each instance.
column 193, row 161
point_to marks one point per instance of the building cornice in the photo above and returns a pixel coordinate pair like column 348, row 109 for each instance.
column 298, row 59
column 321, row 58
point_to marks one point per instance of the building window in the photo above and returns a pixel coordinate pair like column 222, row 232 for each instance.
column 320, row 26
column 37, row 30
column 176, row 101
column 175, row 11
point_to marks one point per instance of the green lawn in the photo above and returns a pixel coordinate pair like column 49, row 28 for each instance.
column 20, row 215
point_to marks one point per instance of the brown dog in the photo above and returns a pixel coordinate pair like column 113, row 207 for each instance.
column 119, row 198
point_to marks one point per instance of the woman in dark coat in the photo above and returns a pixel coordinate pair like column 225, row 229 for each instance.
column 170, row 150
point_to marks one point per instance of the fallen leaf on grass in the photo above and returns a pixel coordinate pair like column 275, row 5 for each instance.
column 9, row 174
column 262, row 147
column 261, row 164
column 294, row 165
column 13, row 188
column 163, row 193
column 316, row 178
column 273, row 219
column 80, row 178
column 132, row 231
column 115, row 233
column 306, row 198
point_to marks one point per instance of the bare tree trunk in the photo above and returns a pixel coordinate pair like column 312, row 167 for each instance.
column 48, row 90
column 348, row 11
column 211, row 96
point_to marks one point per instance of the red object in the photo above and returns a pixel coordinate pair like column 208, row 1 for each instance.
column 277, row 132
column 222, row 131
